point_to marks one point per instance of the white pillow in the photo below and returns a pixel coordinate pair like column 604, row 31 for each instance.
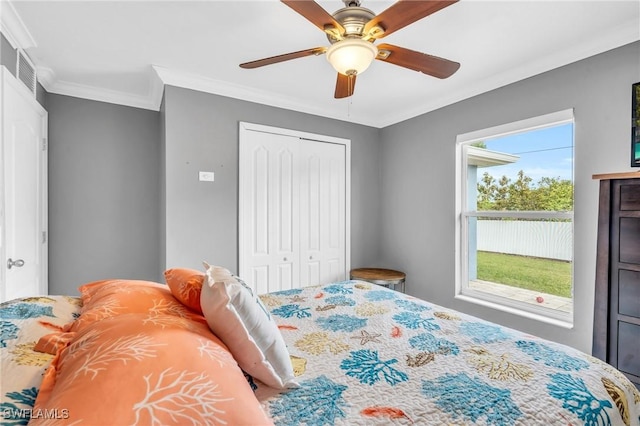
column 240, row 320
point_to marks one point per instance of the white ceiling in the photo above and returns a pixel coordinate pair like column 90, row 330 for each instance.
column 120, row 51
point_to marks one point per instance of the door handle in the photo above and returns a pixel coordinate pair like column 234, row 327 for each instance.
column 18, row 263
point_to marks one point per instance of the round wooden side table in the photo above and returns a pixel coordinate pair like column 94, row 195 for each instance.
column 385, row 277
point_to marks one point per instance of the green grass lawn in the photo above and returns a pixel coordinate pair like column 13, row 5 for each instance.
column 543, row 275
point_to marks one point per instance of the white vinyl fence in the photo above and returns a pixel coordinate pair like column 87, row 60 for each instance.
column 551, row 240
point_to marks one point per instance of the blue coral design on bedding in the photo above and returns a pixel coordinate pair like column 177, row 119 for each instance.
column 579, row 400
column 288, row 311
column 318, row 401
column 16, row 412
column 409, row 305
column 429, row 343
column 291, row 292
column 8, row 331
column 25, row 310
column 482, row 332
column 339, row 288
column 340, row 301
column 341, row 322
column 366, row 366
column 472, row 399
column 380, row 295
column 550, row 356
column 413, row 320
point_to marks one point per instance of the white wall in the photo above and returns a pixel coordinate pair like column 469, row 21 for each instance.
column 418, row 177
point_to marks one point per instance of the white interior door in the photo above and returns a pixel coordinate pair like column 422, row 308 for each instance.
column 270, row 194
column 322, row 213
column 23, row 202
column 293, row 208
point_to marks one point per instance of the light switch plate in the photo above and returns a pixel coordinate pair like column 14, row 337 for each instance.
column 206, row 176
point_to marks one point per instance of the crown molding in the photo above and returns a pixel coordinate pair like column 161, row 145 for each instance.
column 101, row 94
column 46, row 77
column 625, row 34
column 156, row 90
column 217, row 87
column 13, row 28
column 18, row 36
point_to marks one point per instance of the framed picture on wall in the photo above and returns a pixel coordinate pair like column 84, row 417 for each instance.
column 635, row 125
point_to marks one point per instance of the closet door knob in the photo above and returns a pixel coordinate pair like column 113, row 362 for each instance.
column 18, row 263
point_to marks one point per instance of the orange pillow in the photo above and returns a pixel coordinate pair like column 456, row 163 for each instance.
column 109, row 298
column 185, row 285
column 153, row 366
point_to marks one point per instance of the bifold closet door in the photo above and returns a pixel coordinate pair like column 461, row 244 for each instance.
column 322, row 213
column 292, row 212
column 269, row 218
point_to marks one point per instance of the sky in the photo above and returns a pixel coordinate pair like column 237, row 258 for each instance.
column 544, row 152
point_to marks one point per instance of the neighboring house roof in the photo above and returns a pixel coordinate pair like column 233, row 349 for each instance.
column 481, row 157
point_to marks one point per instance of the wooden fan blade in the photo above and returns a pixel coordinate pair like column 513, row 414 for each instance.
column 403, row 13
column 285, row 57
column 417, row 61
column 345, row 85
column 315, row 14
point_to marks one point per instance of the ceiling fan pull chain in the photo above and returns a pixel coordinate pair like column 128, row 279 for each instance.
column 350, row 102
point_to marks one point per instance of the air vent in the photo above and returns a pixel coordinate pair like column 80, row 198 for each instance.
column 26, row 71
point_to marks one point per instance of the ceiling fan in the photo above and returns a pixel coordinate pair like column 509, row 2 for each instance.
column 353, row 30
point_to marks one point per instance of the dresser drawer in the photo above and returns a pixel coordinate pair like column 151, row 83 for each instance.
column 629, row 293
column 630, row 240
column 629, row 197
column 629, row 348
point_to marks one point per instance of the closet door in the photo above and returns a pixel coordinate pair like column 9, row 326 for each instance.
column 269, row 213
column 293, row 208
column 322, row 213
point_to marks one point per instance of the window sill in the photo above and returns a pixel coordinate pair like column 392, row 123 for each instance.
column 559, row 319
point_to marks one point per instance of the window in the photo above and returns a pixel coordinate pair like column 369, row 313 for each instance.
column 514, row 208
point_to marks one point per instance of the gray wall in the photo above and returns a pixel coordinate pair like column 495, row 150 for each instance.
column 8, row 55
column 202, row 134
column 112, row 166
column 104, row 193
column 418, row 177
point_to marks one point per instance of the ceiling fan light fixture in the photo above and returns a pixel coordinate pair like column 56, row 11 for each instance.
column 351, row 56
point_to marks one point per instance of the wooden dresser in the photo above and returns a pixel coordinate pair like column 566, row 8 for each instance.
column 616, row 327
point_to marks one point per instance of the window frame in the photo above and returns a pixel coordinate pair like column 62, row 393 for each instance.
column 462, row 289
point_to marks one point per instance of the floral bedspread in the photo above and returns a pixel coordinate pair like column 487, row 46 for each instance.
column 368, row 355
column 22, row 323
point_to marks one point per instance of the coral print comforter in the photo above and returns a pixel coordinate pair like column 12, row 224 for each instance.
column 367, row 355
column 22, row 323
column 362, row 354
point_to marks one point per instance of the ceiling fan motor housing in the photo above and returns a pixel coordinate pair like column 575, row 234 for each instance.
column 353, row 19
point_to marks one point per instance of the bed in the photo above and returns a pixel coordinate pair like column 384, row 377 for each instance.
column 136, row 352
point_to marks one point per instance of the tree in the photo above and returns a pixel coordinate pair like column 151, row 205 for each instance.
column 549, row 194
